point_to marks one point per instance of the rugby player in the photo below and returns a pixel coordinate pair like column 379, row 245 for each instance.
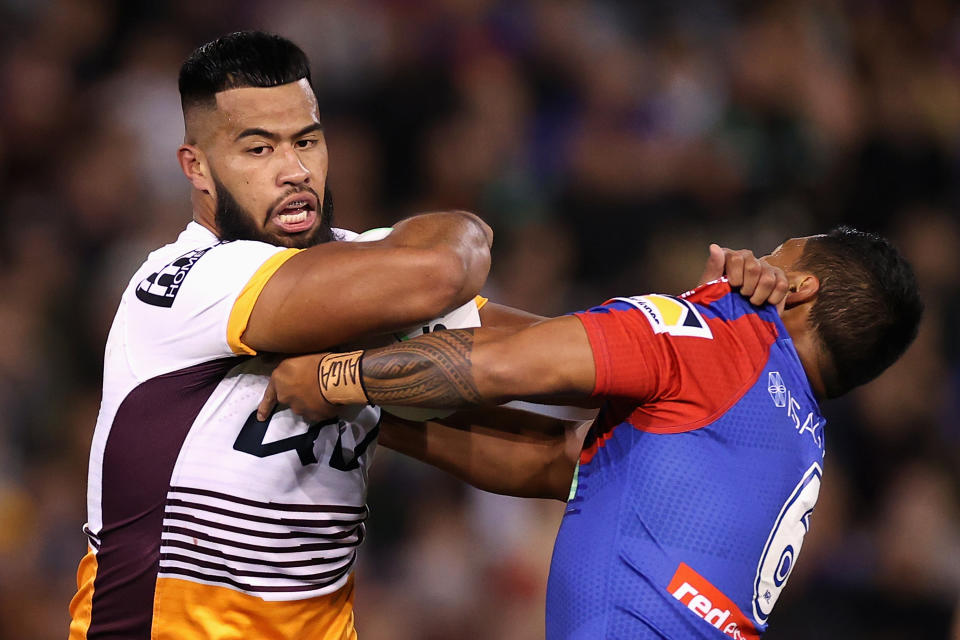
column 202, row 521
column 688, row 501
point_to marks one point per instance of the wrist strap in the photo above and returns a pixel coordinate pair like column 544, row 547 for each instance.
column 341, row 378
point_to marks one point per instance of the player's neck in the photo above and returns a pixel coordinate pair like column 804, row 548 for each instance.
column 808, row 348
column 810, row 359
column 203, row 212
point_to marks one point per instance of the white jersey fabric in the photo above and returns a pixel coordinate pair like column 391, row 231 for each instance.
column 189, row 496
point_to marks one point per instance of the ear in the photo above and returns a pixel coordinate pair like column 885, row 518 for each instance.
column 194, row 166
column 803, row 288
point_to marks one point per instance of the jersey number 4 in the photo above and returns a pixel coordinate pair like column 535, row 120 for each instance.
column 250, row 440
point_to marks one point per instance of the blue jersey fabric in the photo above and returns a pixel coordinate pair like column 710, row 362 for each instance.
column 730, row 499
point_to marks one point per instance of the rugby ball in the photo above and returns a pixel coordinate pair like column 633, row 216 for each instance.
column 466, row 316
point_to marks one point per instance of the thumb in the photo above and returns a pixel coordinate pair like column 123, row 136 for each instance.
column 714, row 267
column 268, row 402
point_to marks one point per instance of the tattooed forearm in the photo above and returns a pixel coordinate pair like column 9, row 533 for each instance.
column 431, row 371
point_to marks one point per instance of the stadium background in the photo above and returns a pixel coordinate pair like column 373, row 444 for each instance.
column 607, row 143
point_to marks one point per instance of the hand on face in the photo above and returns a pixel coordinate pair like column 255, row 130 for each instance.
column 294, row 383
column 757, row 280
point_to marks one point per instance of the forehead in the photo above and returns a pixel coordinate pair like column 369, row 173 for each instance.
column 285, row 108
column 788, row 252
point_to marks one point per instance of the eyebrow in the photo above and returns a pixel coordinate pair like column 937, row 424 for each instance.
column 256, row 131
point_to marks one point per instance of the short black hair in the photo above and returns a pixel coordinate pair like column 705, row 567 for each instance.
column 241, row 59
column 868, row 308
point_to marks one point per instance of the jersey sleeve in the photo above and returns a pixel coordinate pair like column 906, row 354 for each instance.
column 207, row 298
column 679, row 360
column 627, row 359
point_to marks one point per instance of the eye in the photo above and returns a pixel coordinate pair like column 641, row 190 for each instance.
column 261, row 150
column 306, row 143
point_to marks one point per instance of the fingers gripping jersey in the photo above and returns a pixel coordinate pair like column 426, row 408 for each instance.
column 204, row 522
column 697, row 481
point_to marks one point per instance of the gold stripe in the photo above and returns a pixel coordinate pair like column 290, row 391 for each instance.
column 187, row 609
column 243, row 307
column 481, row 301
column 81, row 607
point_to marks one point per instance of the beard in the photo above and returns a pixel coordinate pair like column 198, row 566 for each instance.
column 234, row 222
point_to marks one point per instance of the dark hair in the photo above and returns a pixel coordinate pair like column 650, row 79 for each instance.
column 868, row 308
column 242, row 59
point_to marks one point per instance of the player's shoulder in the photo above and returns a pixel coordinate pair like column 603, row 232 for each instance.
column 710, row 309
column 720, row 302
column 196, row 256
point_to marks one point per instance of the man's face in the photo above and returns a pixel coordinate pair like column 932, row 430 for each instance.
column 268, row 160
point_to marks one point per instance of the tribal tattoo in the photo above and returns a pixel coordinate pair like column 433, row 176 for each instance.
column 432, row 370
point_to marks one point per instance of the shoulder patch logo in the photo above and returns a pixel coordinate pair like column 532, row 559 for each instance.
column 161, row 288
column 778, row 390
column 668, row 314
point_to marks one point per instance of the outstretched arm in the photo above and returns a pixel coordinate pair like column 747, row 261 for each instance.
column 454, row 369
column 541, row 372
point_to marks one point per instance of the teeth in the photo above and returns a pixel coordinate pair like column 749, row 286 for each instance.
column 296, row 205
column 292, row 218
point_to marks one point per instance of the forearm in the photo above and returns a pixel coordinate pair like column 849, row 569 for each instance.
column 498, row 450
column 337, row 292
column 550, row 360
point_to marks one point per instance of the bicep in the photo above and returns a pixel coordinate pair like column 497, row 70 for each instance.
column 548, row 360
column 338, row 292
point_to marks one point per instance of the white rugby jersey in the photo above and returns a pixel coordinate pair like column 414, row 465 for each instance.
column 203, row 521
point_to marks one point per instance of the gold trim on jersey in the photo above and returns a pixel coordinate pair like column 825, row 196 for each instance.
column 481, row 301
column 243, row 307
column 186, row 609
column 81, row 606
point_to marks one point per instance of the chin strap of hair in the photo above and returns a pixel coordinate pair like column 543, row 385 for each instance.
column 341, row 378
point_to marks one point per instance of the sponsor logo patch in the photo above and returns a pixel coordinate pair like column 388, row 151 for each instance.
column 667, row 314
column 778, row 390
column 709, row 604
column 161, row 288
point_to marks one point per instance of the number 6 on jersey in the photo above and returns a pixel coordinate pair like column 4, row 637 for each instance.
column 783, row 546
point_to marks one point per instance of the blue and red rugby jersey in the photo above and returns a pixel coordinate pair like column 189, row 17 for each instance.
column 696, row 483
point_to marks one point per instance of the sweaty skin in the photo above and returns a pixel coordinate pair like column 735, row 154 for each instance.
column 549, row 360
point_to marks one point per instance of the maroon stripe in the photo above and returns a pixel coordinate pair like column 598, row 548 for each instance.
column 246, row 573
column 277, row 535
column 310, row 562
column 253, row 588
column 142, row 448
column 92, row 539
column 319, row 546
column 277, row 506
column 280, row 522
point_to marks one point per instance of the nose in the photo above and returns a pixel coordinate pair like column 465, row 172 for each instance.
column 292, row 170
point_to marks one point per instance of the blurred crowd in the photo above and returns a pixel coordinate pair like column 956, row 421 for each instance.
column 607, row 143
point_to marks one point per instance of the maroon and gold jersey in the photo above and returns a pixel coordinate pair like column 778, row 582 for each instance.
column 203, row 521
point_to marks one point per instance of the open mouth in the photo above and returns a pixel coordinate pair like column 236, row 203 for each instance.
column 298, row 213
